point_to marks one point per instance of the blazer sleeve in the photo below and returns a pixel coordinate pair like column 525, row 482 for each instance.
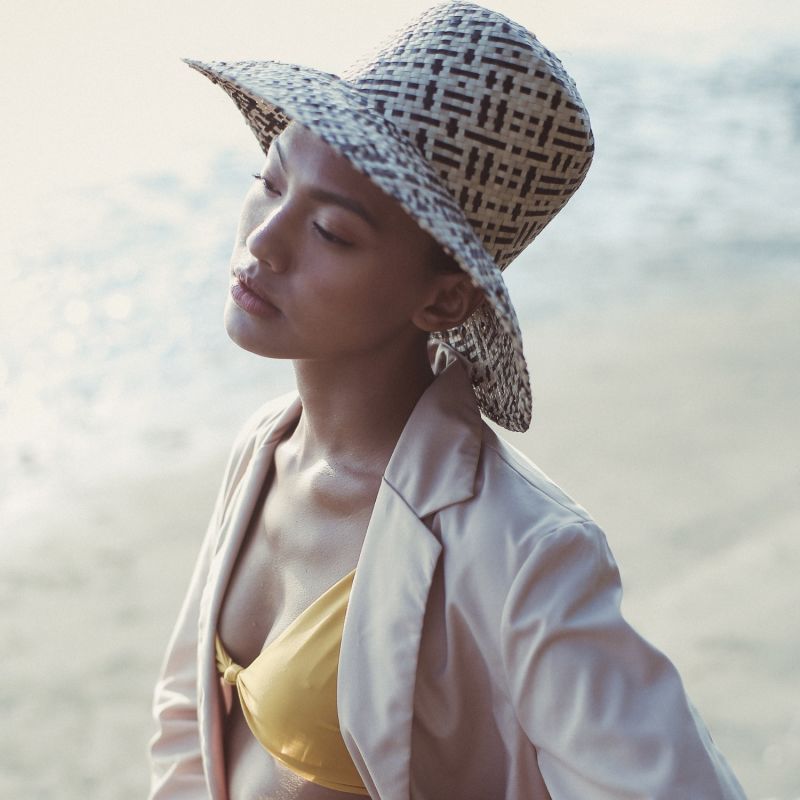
column 175, row 752
column 606, row 711
column 175, row 757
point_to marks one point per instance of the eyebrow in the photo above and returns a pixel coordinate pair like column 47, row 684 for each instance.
column 325, row 196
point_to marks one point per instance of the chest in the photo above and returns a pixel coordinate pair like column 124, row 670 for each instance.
column 305, row 534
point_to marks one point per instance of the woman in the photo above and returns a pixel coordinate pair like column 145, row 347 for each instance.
column 390, row 601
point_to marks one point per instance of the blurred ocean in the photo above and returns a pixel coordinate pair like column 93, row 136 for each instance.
column 113, row 358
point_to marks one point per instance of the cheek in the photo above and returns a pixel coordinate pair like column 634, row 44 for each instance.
column 365, row 285
column 380, row 305
column 337, row 308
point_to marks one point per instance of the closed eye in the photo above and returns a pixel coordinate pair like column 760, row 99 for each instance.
column 329, row 237
column 269, row 187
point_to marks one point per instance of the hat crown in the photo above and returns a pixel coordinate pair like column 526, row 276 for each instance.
column 493, row 111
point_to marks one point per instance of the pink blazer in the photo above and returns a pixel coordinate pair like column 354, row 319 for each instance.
column 484, row 654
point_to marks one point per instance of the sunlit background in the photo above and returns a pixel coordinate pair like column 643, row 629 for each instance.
column 122, row 171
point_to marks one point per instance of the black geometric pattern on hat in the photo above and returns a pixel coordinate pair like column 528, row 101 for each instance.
column 493, row 110
column 474, row 127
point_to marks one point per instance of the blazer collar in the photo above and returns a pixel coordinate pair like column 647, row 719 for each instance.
column 436, row 457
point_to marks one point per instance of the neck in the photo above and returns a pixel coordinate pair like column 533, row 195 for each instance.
column 354, row 409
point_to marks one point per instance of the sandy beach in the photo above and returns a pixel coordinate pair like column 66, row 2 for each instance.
column 673, row 421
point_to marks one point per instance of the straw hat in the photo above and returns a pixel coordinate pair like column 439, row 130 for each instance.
column 474, row 127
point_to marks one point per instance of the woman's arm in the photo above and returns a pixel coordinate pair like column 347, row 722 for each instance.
column 606, row 711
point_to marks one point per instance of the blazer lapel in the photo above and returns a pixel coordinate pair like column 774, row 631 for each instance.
column 433, row 465
column 235, row 522
column 380, row 643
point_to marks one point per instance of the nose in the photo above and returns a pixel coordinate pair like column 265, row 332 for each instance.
column 268, row 241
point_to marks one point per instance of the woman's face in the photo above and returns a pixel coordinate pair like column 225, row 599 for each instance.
column 325, row 264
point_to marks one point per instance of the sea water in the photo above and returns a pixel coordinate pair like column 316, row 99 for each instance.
column 113, row 358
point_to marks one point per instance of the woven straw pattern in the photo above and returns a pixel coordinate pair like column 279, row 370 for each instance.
column 474, row 127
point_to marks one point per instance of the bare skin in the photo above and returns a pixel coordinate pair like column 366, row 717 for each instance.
column 354, row 318
column 306, row 536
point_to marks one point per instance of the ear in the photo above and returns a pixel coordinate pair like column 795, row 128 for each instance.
column 453, row 298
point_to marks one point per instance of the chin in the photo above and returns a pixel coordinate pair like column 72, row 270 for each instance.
column 244, row 330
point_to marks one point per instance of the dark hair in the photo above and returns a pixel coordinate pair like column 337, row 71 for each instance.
column 442, row 261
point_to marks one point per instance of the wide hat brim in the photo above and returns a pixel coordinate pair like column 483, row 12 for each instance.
column 271, row 94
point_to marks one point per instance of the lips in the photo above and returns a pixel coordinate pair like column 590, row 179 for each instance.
column 250, row 299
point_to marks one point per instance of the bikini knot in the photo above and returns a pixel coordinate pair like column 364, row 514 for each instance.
column 231, row 673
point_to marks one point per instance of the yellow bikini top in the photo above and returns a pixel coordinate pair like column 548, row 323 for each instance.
column 288, row 693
